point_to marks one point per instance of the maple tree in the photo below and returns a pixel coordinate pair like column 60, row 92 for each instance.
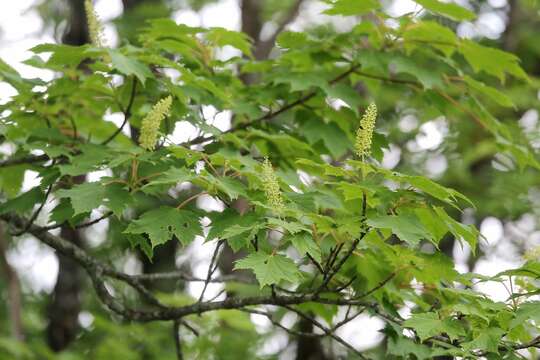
column 325, row 232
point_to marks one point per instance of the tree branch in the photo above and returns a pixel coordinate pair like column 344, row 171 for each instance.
column 271, row 114
column 30, row 159
column 126, row 111
column 264, row 47
column 211, row 268
column 177, row 343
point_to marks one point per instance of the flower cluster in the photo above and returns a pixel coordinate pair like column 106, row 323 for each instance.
column 271, row 187
column 532, row 254
column 95, row 27
column 364, row 134
column 151, row 122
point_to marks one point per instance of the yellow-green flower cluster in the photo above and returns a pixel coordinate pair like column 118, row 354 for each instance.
column 271, row 187
column 95, row 27
column 151, row 122
column 364, row 134
column 532, row 254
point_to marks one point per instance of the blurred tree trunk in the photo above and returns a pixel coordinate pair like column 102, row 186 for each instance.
column 77, row 31
column 63, row 310
column 65, row 306
column 14, row 305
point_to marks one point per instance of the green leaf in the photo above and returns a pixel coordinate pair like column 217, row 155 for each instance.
column 427, row 325
column 117, row 198
column 529, row 311
column 129, row 66
column 301, row 81
column 24, row 202
column 488, row 91
column 489, row 340
column 430, row 33
column 356, row 191
column 447, row 9
column 231, row 187
column 403, row 347
column 290, row 227
column 12, row 77
column 63, row 212
column 467, row 232
column 237, row 229
column 406, row 227
column 165, row 222
column 334, row 139
column 352, row 7
column 172, row 176
column 138, row 240
column 270, row 269
column 291, row 39
column 62, row 55
column 305, row 244
column 84, row 197
column 347, row 94
column 449, row 196
column 222, row 37
column 11, row 180
column 428, row 77
column 492, row 61
column 433, row 223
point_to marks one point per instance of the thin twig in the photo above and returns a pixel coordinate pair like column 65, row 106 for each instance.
column 211, row 268
column 80, row 226
column 127, row 113
column 177, row 343
column 377, row 287
column 271, row 114
column 35, row 214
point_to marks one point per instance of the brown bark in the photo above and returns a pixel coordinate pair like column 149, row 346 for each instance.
column 509, row 37
column 63, row 311
column 77, row 31
column 308, row 348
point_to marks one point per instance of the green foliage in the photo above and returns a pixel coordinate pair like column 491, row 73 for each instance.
column 312, row 220
column 270, row 268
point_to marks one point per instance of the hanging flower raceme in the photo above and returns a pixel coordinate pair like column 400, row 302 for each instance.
column 364, row 134
column 271, row 187
column 95, row 27
column 152, row 121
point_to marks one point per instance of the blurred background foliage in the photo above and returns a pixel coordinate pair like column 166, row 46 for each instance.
column 457, row 154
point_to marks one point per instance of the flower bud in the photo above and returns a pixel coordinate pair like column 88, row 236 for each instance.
column 271, row 187
column 364, row 134
column 95, row 27
column 152, row 121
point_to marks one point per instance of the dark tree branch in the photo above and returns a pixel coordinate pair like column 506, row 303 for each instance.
column 126, row 111
column 263, row 48
column 30, row 159
column 177, row 343
column 35, row 214
column 211, row 268
column 98, row 271
column 80, row 226
column 272, row 114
